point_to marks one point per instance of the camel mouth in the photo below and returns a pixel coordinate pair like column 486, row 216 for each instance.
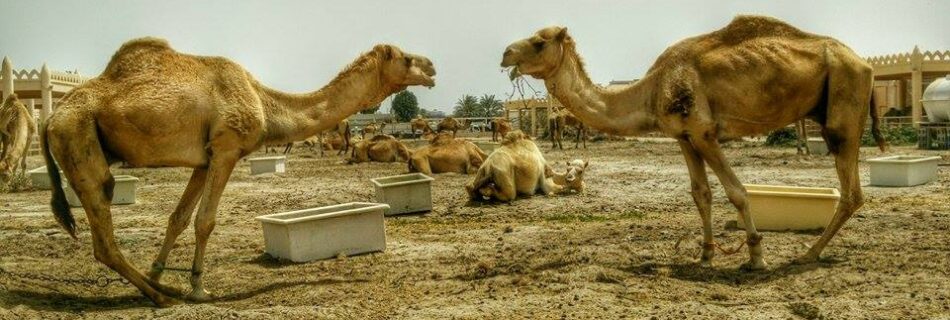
column 513, row 72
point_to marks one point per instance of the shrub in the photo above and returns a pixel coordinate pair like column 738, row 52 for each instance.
column 785, row 137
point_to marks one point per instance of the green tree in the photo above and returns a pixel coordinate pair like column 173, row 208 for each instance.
column 405, row 106
column 488, row 106
column 466, row 106
column 370, row 110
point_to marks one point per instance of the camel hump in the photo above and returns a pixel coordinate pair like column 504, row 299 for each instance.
column 745, row 27
column 137, row 55
column 144, row 43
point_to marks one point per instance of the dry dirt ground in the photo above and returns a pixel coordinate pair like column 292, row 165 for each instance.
column 609, row 253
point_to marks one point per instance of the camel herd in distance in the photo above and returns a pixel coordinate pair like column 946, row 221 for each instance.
column 155, row 107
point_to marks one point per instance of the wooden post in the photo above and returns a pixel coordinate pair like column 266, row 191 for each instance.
column 7, row 73
column 46, row 91
column 916, row 85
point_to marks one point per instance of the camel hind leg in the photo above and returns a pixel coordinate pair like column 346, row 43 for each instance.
column 179, row 219
column 78, row 151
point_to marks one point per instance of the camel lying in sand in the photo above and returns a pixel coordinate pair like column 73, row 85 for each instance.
column 373, row 129
column 571, row 179
column 516, row 167
column 16, row 133
column 381, row 148
column 447, row 154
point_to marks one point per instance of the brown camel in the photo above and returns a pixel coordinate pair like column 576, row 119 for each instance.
column 420, row 126
column 339, row 137
column 447, row 154
column 571, row 179
column 755, row 75
column 17, row 128
column 155, row 107
column 373, row 129
column 381, row 148
column 449, row 124
column 499, row 128
column 516, row 167
column 561, row 119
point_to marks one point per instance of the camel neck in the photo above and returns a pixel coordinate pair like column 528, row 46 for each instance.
column 622, row 110
column 294, row 117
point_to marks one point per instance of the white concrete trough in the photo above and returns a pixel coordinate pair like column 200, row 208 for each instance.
column 40, row 178
column 903, row 171
column 817, row 146
column 325, row 232
column 123, row 193
column 262, row 165
column 405, row 193
column 487, row 146
column 780, row 208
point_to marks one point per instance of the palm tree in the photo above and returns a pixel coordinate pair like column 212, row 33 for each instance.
column 466, row 106
column 489, row 106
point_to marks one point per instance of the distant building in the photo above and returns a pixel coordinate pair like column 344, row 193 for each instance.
column 900, row 79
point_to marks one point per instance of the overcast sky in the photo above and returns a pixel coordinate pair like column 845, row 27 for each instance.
column 300, row 45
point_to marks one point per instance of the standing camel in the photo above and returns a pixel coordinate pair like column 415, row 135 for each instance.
column 755, row 75
column 449, row 124
column 17, row 128
column 499, row 128
column 155, row 107
column 559, row 120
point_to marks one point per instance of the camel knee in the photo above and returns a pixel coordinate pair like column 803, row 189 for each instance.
column 737, row 196
column 701, row 193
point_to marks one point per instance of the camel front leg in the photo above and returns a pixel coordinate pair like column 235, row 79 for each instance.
column 222, row 163
column 179, row 220
column 709, row 150
column 701, row 196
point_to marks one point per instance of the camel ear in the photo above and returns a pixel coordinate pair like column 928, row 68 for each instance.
column 387, row 52
column 408, row 61
column 561, row 34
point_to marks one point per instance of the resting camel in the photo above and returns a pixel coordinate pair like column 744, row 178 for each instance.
column 499, row 128
column 571, row 179
column 516, row 167
column 155, row 107
column 17, row 128
column 381, row 148
column 561, row 119
column 447, row 154
column 449, row 124
column 755, row 75
column 420, row 126
column 373, row 129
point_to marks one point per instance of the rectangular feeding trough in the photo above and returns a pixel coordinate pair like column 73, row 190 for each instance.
column 903, row 171
column 487, row 146
column 780, row 208
column 817, row 146
column 263, row 165
column 325, row 232
column 40, row 178
column 123, row 193
column 405, row 193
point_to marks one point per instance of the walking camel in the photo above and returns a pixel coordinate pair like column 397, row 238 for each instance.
column 155, row 107
column 755, row 75
column 16, row 135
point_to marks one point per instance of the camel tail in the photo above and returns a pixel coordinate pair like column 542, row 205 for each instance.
column 58, row 203
column 876, row 127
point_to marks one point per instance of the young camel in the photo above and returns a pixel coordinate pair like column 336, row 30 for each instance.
column 571, row 179
column 499, row 128
column 447, row 154
column 155, row 107
column 516, row 167
column 449, row 124
column 755, row 75
column 381, row 148
column 17, row 128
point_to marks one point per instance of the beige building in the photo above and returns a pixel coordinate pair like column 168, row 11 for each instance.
column 900, row 79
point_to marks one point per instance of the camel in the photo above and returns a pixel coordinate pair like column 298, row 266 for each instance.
column 447, row 154
column 561, row 119
column 339, row 139
column 156, row 107
column 516, row 167
column 373, row 129
column 420, row 126
column 381, row 148
column 17, row 128
column 755, row 75
column 449, row 124
column 571, row 179
column 499, row 128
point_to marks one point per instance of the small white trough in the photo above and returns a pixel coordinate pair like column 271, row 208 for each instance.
column 40, row 178
column 817, row 146
column 487, row 146
column 123, row 193
column 405, row 193
column 903, row 171
column 780, row 208
column 326, row 232
column 276, row 164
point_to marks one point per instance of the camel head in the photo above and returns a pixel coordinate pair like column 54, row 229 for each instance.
column 538, row 55
column 575, row 171
column 403, row 68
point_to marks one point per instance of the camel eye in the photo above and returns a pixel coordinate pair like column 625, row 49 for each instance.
column 538, row 45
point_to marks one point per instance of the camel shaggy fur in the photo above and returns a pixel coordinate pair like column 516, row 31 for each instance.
column 17, row 128
column 381, row 148
column 155, row 107
column 516, row 167
column 755, row 75
column 447, row 154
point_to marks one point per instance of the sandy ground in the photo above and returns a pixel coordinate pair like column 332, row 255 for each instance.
column 609, row 253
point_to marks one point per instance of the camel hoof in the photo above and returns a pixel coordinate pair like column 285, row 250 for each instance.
column 705, row 263
column 754, row 265
column 199, row 295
